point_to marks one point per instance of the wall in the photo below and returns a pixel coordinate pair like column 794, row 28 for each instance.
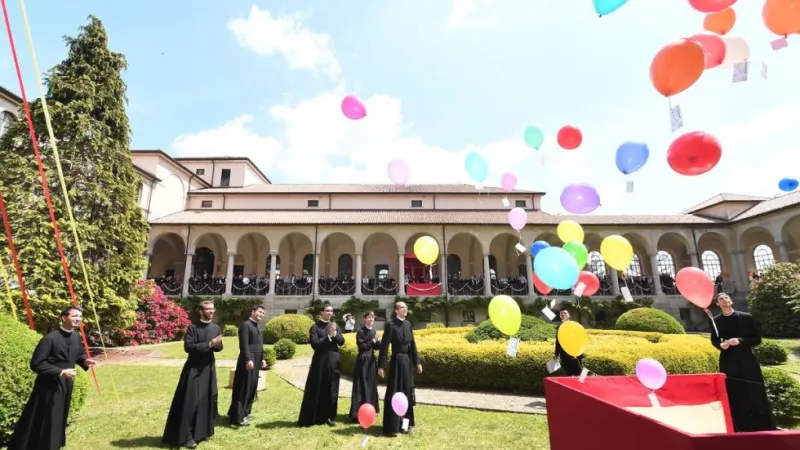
column 251, row 176
column 169, row 195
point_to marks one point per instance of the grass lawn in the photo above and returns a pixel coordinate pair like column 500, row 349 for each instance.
column 146, row 392
column 174, row 350
column 793, row 346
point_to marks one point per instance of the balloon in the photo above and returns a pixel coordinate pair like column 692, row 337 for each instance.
column 366, row 415
column 508, row 181
column 400, row 404
column 580, row 198
column 713, row 46
column 556, row 268
column 426, row 249
column 477, row 167
column 606, row 7
column 569, row 230
column 540, row 286
column 695, row 285
column 578, row 252
column 246, row 280
column 782, row 17
column 573, row 338
column 651, row 373
column 788, row 184
column 505, row 314
column 590, row 282
column 711, row 6
column 694, row 153
column 736, row 51
column 677, row 66
column 517, row 218
column 353, row 109
column 617, row 252
column 569, row 137
column 538, row 246
column 720, row 22
column 534, row 137
column 631, row 156
column 398, row 172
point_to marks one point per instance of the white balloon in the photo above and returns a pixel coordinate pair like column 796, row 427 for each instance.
column 246, row 280
column 736, row 51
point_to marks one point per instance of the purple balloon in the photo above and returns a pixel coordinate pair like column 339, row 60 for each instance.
column 353, row 109
column 580, row 198
column 400, row 404
column 651, row 373
column 508, row 181
column 517, row 218
column 399, row 172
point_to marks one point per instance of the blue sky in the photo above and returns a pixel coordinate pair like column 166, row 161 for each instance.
column 439, row 79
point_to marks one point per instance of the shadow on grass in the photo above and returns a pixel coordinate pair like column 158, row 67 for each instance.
column 278, row 424
column 140, row 442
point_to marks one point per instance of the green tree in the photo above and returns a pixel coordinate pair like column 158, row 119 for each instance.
column 86, row 98
column 770, row 300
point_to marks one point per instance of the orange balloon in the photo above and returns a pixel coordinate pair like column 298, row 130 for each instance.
column 677, row 66
column 720, row 22
column 782, row 17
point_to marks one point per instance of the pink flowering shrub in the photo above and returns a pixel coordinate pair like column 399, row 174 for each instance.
column 158, row 319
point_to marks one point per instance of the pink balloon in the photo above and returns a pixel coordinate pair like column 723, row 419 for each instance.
column 508, row 181
column 713, row 46
column 695, row 286
column 400, row 404
column 651, row 373
column 711, row 6
column 353, row 109
column 399, row 172
column 517, row 218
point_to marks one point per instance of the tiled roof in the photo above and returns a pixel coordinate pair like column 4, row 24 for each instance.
column 172, row 160
column 358, row 189
column 720, row 198
column 771, row 205
column 146, row 173
column 224, row 158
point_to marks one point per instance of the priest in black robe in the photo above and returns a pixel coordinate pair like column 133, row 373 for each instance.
column 399, row 333
column 321, row 395
column 43, row 423
column 194, row 405
column 365, row 376
column 571, row 365
column 747, row 394
column 245, row 380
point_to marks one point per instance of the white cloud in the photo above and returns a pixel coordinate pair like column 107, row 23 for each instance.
column 231, row 139
column 462, row 12
column 303, row 49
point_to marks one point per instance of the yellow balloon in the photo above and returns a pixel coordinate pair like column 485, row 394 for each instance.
column 426, row 249
column 617, row 252
column 569, row 230
column 573, row 338
column 505, row 314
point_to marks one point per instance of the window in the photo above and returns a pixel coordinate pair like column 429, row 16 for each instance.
column 206, row 204
column 520, row 203
column 665, row 264
column 416, row 203
column 225, row 178
column 200, row 172
column 596, row 264
column 313, row 203
column 763, row 257
column 5, row 121
column 711, row 264
column 290, row 311
column 468, row 316
column 635, row 269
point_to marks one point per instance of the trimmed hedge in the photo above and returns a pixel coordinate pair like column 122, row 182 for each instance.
column 270, row 357
column 649, row 319
column 783, row 392
column 230, row 330
column 771, row 300
column 289, row 326
column 771, row 353
column 285, row 349
column 531, row 329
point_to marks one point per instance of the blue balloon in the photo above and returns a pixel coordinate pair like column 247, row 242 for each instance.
column 788, row 184
column 631, row 156
column 606, row 7
column 538, row 246
column 476, row 166
column 556, row 268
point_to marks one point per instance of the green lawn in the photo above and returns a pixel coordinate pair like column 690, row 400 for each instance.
column 174, row 350
column 146, row 391
column 793, row 346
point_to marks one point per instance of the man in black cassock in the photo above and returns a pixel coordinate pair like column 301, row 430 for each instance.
column 43, row 423
column 245, row 380
column 321, row 395
column 365, row 375
column 194, row 405
column 747, row 394
column 400, row 334
column 571, row 365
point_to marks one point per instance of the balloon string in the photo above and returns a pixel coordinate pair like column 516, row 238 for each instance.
column 15, row 260
column 713, row 323
column 4, row 274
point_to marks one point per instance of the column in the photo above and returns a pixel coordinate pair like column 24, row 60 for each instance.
column 695, row 262
column 656, row 276
column 359, row 275
column 783, row 254
column 529, row 272
column 229, row 273
column 401, row 274
column 487, row 276
column 614, row 280
column 273, row 262
column 742, row 280
column 315, row 280
column 187, row 274
column 146, row 265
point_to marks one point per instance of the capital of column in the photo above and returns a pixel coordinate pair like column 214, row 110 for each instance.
column 273, row 252
column 358, row 254
column 189, row 253
column 652, row 255
column 692, row 254
column 401, row 254
column 780, row 243
column 486, row 255
column 232, row 253
column 737, row 252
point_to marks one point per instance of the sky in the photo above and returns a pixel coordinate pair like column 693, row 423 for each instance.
column 439, row 80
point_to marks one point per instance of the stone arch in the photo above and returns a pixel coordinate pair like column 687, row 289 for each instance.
column 464, row 255
column 332, row 248
column 641, row 261
column 168, row 256
column 550, row 238
column 292, row 250
column 713, row 250
column 414, row 268
column 790, row 236
column 380, row 254
column 677, row 246
column 218, row 247
column 508, row 261
column 750, row 240
column 252, row 254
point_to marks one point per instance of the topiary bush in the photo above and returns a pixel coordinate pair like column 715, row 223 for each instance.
column 772, row 299
column 158, row 319
column 531, row 329
column 230, row 330
column 294, row 327
column 269, row 357
column 784, row 394
column 771, row 353
column 284, row 349
column 649, row 319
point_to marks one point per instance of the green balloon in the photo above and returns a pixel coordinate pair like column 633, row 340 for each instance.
column 534, row 137
column 579, row 253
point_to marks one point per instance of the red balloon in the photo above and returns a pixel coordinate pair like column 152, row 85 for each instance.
column 713, row 47
column 590, row 282
column 569, row 137
column 540, row 286
column 711, row 6
column 366, row 415
column 695, row 286
column 694, row 153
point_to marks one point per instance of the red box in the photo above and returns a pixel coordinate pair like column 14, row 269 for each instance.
column 615, row 413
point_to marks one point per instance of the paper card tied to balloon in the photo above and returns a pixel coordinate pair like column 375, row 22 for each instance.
column 626, row 294
column 578, row 291
column 506, row 203
column 675, row 118
column 520, row 248
column 553, row 365
column 513, row 345
column 740, row 71
column 364, row 441
column 629, row 187
column 764, row 70
column 548, row 313
column 584, row 374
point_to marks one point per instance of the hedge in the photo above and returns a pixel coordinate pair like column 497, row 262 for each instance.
column 784, row 394
column 289, row 326
column 771, row 353
column 770, row 300
column 531, row 329
column 285, row 349
column 270, row 357
column 649, row 319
